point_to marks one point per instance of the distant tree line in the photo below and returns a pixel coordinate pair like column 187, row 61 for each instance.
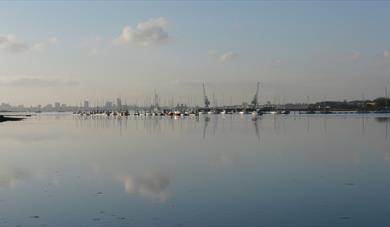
column 369, row 105
column 382, row 102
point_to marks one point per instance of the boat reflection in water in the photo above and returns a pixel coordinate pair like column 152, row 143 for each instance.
column 386, row 121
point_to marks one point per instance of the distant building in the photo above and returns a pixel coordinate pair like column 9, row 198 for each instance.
column 5, row 106
column 109, row 105
column 86, row 104
column 119, row 103
column 57, row 105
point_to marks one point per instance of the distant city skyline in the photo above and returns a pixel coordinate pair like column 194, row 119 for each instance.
column 69, row 52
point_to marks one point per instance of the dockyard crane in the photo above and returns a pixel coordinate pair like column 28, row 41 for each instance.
column 206, row 100
column 255, row 101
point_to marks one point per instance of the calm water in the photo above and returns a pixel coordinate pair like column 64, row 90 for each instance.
column 61, row 170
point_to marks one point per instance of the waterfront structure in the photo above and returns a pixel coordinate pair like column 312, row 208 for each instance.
column 86, row 104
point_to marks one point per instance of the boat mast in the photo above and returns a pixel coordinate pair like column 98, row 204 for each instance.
column 255, row 101
column 386, row 98
column 206, row 100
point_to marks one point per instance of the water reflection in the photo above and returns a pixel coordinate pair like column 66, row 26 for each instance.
column 325, row 123
column 215, row 124
column 9, row 177
column 205, row 124
column 224, row 159
column 16, row 135
column 257, row 131
column 159, row 125
column 305, row 172
column 364, row 119
column 154, row 185
column 308, row 125
column 385, row 120
column 382, row 119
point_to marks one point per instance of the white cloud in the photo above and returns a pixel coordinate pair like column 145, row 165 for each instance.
column 148, row 33
column 222, row 57
column 228, row 56
column 11, row 44
column 52, row 40
column 44, row 45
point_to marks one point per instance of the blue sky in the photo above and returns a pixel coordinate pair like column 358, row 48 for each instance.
column 70, row 51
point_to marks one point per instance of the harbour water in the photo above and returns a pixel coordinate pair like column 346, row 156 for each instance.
column 293, row 170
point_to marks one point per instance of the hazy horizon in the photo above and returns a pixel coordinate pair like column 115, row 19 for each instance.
column 74, row 51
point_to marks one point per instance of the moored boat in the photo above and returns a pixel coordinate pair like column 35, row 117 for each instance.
column 6, row 118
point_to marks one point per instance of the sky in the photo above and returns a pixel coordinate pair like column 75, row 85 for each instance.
column 94, row 50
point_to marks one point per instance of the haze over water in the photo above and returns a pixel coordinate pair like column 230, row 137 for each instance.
column 297, row 170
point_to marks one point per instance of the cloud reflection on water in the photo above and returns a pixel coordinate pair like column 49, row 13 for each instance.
column 154, row 185
column 9, row 177
column 224, row 159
